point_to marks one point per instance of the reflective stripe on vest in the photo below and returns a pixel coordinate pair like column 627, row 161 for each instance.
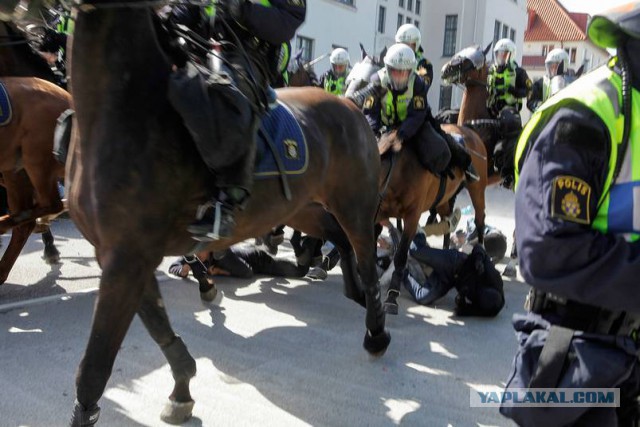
column 394, row 114
column 546, row 88
column 335, row 86
column 508, row 79
column 65, row 25
column 283, row 60
column 619, row 204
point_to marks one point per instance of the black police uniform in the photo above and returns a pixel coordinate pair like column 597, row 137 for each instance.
column 589, row 280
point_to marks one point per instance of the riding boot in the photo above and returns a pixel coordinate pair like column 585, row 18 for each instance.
column 215, row 220
column 460, row 157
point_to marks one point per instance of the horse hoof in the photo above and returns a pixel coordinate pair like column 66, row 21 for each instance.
column 509, row 271
column 376, row 345
column 52, row 256
column 84, row 417
column 177, row 412
column 391, row 308
column 208, row 293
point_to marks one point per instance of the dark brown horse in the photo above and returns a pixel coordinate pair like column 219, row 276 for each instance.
column 468, row 68
column 136, row 181
column 29, row 170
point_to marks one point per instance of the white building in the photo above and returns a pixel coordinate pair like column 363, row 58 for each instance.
column 447, row 26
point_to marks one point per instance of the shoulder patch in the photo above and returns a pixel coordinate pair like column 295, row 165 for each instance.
column 418, row 102
column 368, row 103
column 570, row 197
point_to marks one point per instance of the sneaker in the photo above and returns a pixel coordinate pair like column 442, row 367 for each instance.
column 214, row 221
column 454, row 219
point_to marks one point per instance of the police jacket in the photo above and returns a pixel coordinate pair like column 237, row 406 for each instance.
column 507, row 86
column 332, row 84
column 404, row 111
column 576, row 228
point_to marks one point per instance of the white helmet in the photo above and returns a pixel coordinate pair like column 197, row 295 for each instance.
column 399, row 57
column 553, row 60
column 339, row 60
column 409, row 34
column 339, row 56
column 505, row 51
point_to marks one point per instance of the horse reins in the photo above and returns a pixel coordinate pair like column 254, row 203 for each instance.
column 385, row 185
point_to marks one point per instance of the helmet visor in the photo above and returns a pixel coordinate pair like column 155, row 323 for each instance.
column 339, row 70
column 502, row 56
column 552, row 68
column 399, row 78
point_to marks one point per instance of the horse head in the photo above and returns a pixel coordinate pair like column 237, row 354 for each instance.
column 564, row 78
column 362, row 71
column 302, row 74
column 469, row 66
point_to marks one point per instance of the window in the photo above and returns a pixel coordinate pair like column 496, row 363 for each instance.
column 450, row 30
column 382, row 14
column 409, row 5
column 505, row 31
column 400, row 19
column 512, row 35
column 306, row 45
column 417, row 24
column 347, row 2
column 401, row 3
column 408, row 20
column 445, row 97
column 546, row 48
column 572, row 54
column 496, row 31
column 418, row 6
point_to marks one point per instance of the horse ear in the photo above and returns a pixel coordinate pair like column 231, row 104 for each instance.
column 363, row 51
column 298, row 55
column 486, row 49
column 382, row 54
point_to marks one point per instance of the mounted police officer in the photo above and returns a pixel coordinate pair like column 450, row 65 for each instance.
column 333, row 81
column 578, row 236
column 410, row 35
column 251, row 33
column 557, row 60
column 395, row 104
column 507, row 82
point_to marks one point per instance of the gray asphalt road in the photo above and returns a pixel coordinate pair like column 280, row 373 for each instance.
column 272, row 352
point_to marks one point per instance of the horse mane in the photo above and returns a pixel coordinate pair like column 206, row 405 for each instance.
column 27, row 53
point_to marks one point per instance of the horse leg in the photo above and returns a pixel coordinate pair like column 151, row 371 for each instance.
column 183, row 367
column 19, row 197
column 510, row 269
column 206, row 284
column 400, row 262
column 122, row 286
column 51, row 253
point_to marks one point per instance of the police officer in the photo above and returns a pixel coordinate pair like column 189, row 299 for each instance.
column 507, row 82
column 578, row 168
column 333, row 81
column 395, row 104
column 541, row 88
column 54, row 41
column 261, row 26
column 410, row 35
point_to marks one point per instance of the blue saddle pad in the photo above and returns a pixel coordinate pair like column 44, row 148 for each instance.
column 5, row 106
column 291, row 147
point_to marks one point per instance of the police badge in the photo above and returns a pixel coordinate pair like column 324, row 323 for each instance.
column 291, row 148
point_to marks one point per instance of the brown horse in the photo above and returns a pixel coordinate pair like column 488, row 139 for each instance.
column 412, row 190
column 136, row 181
column 469, row 69
column 28, row 142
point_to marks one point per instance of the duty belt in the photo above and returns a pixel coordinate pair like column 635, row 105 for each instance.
column 582, row 317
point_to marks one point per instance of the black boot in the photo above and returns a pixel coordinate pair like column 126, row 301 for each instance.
column 215, row 220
